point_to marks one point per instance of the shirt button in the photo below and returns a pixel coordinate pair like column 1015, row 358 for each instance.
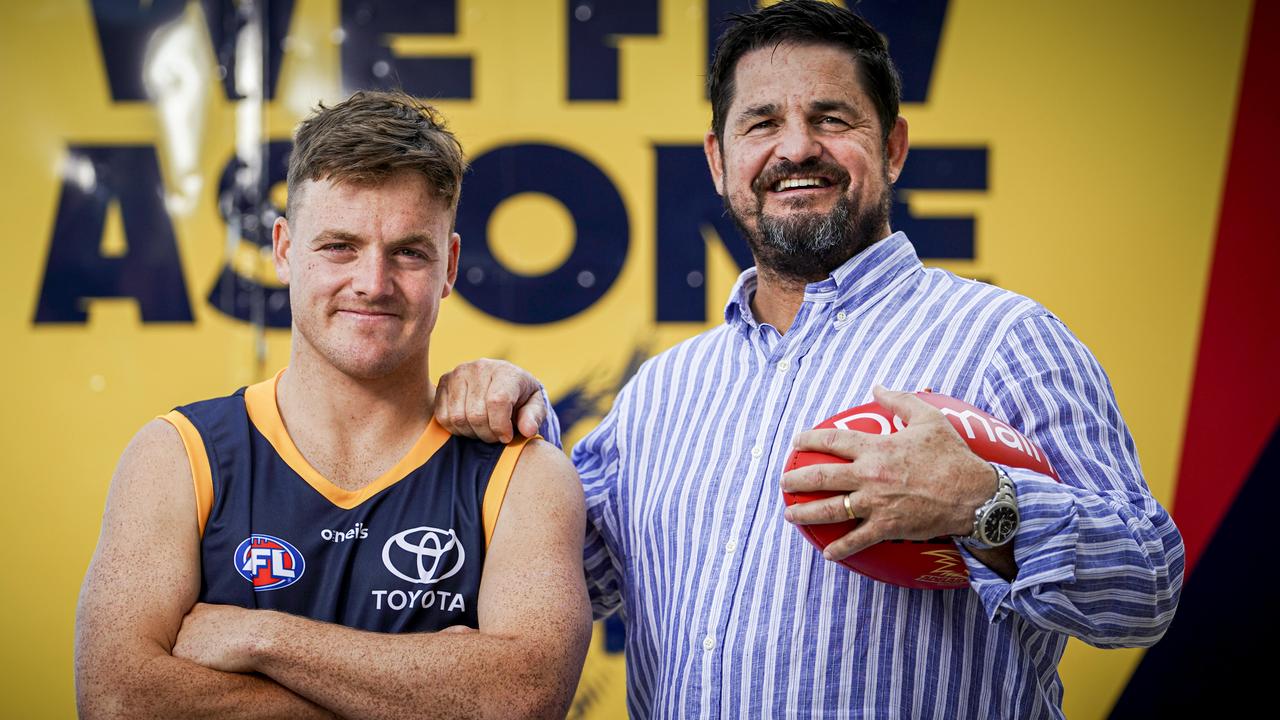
column 708, row 642
column 783, row 365
column 730, row 546
column 840, row 316
column 756, row 452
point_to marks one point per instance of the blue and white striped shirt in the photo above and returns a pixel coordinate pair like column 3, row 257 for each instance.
column 729, row 612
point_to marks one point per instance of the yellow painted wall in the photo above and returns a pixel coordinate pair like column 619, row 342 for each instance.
column 1108, row 125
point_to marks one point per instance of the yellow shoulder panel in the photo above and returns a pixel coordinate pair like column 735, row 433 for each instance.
column 499, row 481
column 201, row 473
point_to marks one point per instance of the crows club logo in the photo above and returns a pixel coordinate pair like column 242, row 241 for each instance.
column 424, row 555
column 269, row 562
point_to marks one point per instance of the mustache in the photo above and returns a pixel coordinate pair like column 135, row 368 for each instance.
column 814, row 166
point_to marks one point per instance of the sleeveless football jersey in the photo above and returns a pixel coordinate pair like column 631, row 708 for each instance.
column 403, row 554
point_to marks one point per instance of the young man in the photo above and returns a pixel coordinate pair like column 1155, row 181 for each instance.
column 315, row 544
column 728, row 610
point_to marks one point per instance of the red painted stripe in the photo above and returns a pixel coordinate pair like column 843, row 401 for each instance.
column 1234, row 405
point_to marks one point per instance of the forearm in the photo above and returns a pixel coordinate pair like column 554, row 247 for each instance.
column 130, row 612
column 1097, row 556
column 999, row 560
column 375, row 675
column 1106, row 568
column 162, row 686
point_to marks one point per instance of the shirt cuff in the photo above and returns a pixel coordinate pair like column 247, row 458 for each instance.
column 1044, row 546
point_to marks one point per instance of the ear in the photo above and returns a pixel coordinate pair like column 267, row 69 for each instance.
column 451, row 274
column 281, row 245
column 897, row 149
column 715, row 160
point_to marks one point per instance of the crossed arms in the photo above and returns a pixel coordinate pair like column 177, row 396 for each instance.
column 145, row 648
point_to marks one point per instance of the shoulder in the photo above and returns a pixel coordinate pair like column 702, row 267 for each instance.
column 543, row 505
column 943, row 286
column 985, row 314
column 688, row 358
column 544, row 476
column 155, row 450
column 1015, row 319
column 151, row 494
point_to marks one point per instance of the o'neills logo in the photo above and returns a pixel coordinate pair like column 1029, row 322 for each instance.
column 359, row 532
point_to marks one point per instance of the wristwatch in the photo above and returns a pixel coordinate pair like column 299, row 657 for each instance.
column 996, row 521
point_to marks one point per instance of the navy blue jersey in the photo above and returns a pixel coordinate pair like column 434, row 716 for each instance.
column 402, row 554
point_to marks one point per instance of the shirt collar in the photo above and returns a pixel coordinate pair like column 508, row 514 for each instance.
column 861, row 278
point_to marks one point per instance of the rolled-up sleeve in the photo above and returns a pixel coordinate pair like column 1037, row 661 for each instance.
column 1098, row 558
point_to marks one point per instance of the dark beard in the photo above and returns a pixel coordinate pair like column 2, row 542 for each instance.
column 807, row 247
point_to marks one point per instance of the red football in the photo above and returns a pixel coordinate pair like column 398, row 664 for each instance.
column 924, row 564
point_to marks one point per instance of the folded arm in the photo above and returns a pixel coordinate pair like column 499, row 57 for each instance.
column 144, row 577
column 524, row 661
column 1098, row 558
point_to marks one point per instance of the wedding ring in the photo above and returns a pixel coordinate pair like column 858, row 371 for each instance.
column 848, row 506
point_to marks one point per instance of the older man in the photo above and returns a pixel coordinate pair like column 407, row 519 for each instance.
column 728, row 611
column 314, row 544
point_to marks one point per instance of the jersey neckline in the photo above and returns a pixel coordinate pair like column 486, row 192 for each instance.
column 264, row 413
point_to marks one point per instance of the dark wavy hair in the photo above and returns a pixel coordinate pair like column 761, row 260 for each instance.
column 805, row 21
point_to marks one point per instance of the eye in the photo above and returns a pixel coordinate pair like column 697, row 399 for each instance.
column 410, row 253
column 832, row 121
column 335, row 247
column 761, row 125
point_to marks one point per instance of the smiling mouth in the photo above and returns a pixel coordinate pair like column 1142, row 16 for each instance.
column 367, row 313
column 800, row 183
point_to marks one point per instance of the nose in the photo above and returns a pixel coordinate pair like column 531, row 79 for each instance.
column 371, row 277
column 797, row 142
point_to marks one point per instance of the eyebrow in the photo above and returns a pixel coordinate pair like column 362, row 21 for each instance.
column 817, row 106
column 421, row 241
column 836, row 105
column 336, row 236
column 755, row 111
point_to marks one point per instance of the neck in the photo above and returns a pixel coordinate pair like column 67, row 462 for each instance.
column 778, row 295
column 319, row 400
column 777, row 299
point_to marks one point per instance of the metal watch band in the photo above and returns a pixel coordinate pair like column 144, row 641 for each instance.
column 1004, row 505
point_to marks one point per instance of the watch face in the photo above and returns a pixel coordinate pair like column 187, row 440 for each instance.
column 1000, row 524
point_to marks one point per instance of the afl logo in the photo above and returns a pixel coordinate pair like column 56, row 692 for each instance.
column 424, row 555
column 269, row 562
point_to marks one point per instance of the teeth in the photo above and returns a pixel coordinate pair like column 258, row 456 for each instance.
column 790, row 183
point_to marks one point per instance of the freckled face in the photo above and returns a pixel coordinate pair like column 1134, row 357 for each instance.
column 367, row 267
column 803, row 167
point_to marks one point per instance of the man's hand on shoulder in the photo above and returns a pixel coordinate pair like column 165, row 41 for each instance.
column 481, row 399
